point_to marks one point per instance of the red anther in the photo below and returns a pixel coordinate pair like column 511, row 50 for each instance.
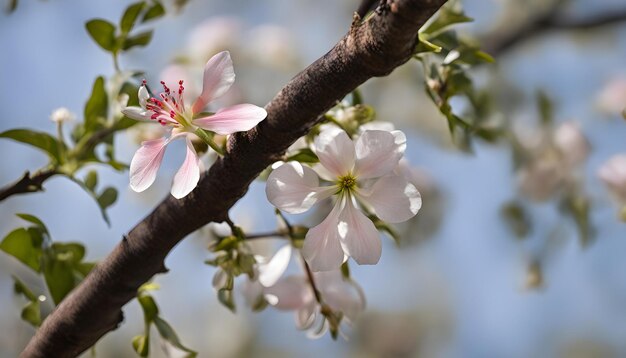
column 144, row 82
column 180, row 82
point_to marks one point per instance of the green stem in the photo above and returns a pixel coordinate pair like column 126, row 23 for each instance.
column 207, row 137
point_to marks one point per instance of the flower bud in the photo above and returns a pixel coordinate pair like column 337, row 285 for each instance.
column 61, row 115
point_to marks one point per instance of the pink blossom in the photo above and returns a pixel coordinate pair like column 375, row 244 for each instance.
column 169, row 109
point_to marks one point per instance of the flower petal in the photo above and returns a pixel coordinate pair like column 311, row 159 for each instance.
column 295, row 188
column 322, row 247
column 393, row 198
column 289, row 293
column 340, row 293
column 136, row 113
column 146, row 163
column 143, row 96
column 378, row 153
column 270, row 272
column 239, row 118
column 359, row 237
column 335, row 151
column 188, row 175
column 219, row 75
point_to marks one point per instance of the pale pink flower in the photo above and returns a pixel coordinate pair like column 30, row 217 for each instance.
column 294, row 293
column 359, row 172
column 170, row 110
column 613, row 174
column 612, row 98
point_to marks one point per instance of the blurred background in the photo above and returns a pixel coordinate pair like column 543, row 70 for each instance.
column 461, row 283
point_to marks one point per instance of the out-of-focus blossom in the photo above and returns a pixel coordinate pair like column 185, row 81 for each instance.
column 213, row 35
column 552, row 161
column 571, row 143
column 294, row 293
column 612, row 98
column 273, row 46
column 62, row 115
column 171, row 111
column 613, row 174
column 361, row 171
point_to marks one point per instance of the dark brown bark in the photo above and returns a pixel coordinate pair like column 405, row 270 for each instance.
column 372, row 48
column 27, row 184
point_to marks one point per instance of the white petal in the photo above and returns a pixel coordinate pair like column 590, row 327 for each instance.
column 336, row 152
column 270, row 272
column 220, row 279
column 239, row 118
column 146, row 163
column 322, row 246
column 143, row 96
column 252, row 292
column 188, row 175
column 219, row 75
column 305, row 316
column 378, row 153
column 136, row 113
column 290, row 293
column 359, row 236
column 341, row 294
column 294, row 188
column 393, row 198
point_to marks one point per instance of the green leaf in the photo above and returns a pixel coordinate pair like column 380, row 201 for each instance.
column 154, row 12
column 97, row 106
column 72, row 252
column 142, row 39
column 149, row 307
column 141, row 345
column 130, row 16
column 84, row 268
column 107, row 197
column 59, row 277
column 304, row 155
column 579, row 207
column 103, row 33
column 425, row 46
column 40, row 140
column 447, row 16
column 167, row 333
column 31, row 313
column 33, row 219
column 24, row 245
column 91, row 180
column 226, row 298
column 20, row 288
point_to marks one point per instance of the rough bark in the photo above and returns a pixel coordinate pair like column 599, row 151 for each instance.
column 371, row 48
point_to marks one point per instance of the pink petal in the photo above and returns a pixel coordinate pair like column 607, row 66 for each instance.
column 188, row 175
column 238, row 118
column 219, row 75
column 289, row 293
column 378, row 153
column 359, row 236
column 146, row 163
column 336, row 152
column 322, row 248
column 393, row 198
column 341, row 294
column 294, row 188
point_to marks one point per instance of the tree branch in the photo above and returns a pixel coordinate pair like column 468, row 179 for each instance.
column 27, row 184
column 500, row 42
column 371, row 48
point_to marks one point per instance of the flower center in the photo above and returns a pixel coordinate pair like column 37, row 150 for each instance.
column 170, row 108
column 346, row 183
